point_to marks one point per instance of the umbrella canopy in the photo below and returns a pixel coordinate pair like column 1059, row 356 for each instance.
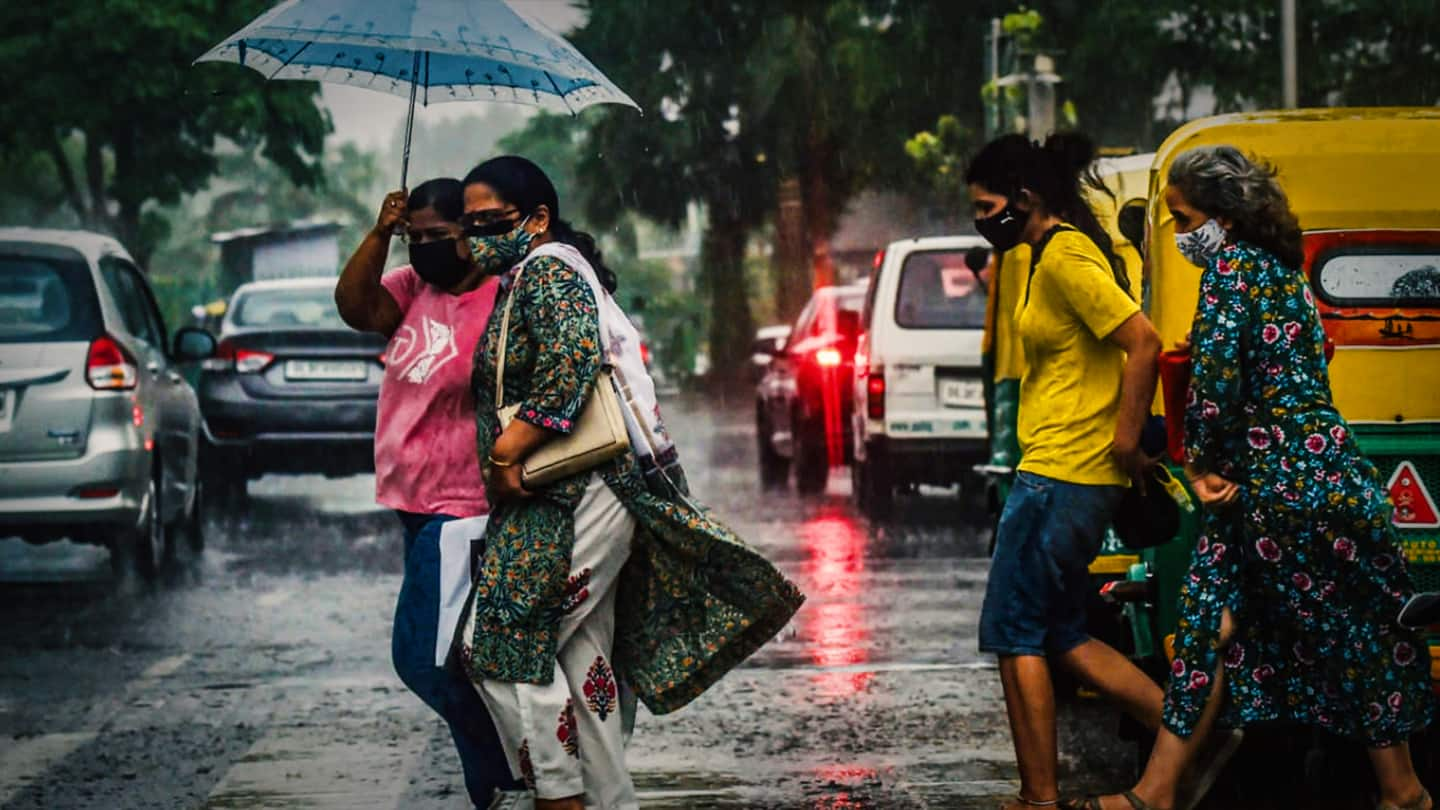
column 433, row 50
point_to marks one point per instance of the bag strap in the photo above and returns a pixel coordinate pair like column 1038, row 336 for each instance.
column 505, row 337
column 1036, row 252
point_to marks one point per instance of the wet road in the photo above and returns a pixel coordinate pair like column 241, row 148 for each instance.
column 257, row 674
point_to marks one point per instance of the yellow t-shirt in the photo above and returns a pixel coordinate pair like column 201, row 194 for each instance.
column 1070, row 394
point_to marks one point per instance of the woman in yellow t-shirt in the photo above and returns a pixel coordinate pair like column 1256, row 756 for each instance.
column 1090, row 377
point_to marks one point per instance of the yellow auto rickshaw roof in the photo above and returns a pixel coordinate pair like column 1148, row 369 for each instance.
column 1342, row 169
column 1346, row 167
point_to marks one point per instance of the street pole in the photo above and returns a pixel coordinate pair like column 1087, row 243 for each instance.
column 1288, row 69
column 994, row 105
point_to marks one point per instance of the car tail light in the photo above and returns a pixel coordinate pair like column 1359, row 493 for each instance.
column 875, row 394
column 245, row 361
column 879, row 259
column 645, row 354
column 828, row 358
column 109, row 367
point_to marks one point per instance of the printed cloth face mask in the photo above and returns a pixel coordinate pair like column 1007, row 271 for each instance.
column 496, row 253
column 1202, row 244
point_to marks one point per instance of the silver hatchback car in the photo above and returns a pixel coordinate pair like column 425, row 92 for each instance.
column 98, row 429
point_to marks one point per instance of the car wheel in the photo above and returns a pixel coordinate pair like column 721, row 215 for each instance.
column 874, row 492
column 142, row 547
column 192, row 525
column 812, row 459
column 223, row 482
column 774, row 468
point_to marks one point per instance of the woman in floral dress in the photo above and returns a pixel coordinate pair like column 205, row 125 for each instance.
column 609, row 579
column 1288, row 612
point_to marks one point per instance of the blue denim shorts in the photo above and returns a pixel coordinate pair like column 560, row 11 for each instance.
column 1048, row 535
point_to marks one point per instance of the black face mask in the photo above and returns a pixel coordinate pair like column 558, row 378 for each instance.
column 438, row 264
column 1004, row 228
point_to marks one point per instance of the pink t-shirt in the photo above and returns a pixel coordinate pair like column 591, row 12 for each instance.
column 425, row 458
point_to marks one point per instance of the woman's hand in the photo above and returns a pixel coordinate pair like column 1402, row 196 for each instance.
column 505, row 483
column 392, row 213
column 1214, row 491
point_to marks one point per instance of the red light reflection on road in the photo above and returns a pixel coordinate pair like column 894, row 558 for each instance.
column 834, row 627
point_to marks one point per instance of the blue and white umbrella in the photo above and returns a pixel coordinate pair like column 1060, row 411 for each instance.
column 432, row 51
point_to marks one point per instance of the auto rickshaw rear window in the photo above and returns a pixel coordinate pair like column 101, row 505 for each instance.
column 1378, row 278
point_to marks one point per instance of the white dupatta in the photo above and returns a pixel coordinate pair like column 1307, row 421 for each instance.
column 621, row 351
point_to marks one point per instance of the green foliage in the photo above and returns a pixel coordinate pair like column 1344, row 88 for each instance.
column 939, row 158
column 117, row 75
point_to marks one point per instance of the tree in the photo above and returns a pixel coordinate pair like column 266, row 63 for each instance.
column 700, row 147
column 105, row 91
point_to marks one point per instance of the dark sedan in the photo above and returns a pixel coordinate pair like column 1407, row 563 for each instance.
column 291, row 389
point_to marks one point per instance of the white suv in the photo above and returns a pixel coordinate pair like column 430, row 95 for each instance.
column 919, row 415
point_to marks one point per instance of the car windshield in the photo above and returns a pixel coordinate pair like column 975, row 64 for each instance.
column 309, row 308
column 45, row 299
column 938, row 291
column 1409, row 277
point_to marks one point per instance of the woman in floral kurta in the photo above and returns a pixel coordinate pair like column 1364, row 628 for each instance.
column 692, row 600
column 1305, row 558
column 1296, row 559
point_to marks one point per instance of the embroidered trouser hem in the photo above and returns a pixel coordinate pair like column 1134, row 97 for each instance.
column 566, row 738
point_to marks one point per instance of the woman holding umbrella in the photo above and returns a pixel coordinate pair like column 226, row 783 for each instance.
column 433, row 311
column 610, row 578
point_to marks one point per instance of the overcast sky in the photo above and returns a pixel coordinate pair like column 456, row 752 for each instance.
column 369, row 118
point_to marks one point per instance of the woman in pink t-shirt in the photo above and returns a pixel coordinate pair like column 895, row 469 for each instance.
column 433, row 311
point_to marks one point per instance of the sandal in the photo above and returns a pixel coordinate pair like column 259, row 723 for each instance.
column 1422, row 803
column 1136, row 803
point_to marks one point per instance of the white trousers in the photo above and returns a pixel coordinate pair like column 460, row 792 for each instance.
column 566, row 738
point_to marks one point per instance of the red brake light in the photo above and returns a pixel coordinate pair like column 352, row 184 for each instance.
column 879, row 259
column 875, row 394
column 645, row 354
column 244, row 361
column 108, row 367
column 828, row 358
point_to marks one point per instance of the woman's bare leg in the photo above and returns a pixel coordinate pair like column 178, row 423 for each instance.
column 1395, row 772
column 1172, row 753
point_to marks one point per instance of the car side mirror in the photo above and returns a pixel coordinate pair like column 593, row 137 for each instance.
column 193, row 345
column 977, row 259
column 1131, row 223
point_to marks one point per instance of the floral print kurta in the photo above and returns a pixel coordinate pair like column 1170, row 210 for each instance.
column 693, row 600
column 1306, row 558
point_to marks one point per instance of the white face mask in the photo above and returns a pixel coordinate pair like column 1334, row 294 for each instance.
column 1202, row 244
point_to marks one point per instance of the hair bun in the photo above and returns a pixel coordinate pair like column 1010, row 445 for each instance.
column 1072, row 151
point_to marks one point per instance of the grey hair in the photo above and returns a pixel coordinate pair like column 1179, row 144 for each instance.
column 1221, row 181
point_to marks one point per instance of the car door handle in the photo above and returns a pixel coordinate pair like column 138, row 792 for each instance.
column 173, row 377
column 153, row 367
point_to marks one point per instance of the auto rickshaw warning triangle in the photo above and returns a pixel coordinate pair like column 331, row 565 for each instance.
column 1414, row 508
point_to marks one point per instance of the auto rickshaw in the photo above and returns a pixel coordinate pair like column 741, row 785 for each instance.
column 1126, row 178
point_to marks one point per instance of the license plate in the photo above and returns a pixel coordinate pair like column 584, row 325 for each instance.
column 962, row 393
column 7, row 410
column 325, row 370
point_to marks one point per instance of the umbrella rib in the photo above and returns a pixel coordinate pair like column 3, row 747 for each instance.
column 563, row 100
column 292, row 58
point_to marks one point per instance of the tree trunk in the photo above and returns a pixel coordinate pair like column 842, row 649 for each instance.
column 790, row 264
column 819, row 214
column 722, row 269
